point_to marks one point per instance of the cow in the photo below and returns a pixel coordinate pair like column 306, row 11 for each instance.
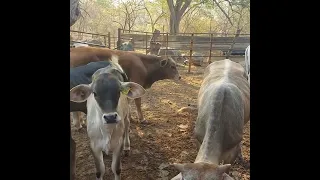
column 140, row 68
column 107, row 114
column 76, row 45
column 223, row 110
column 197, row 59
column 127, row 46
column 175, row 54
column 247, row 62
column 82, row 75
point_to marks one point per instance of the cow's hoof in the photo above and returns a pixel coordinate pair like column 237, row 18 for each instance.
column 126, row 153
column 144, row 121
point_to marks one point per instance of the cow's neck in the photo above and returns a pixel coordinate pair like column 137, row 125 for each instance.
column 154, row 74
column 154, row 71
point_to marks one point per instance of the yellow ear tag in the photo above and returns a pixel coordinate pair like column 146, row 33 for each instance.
column 125, row 91
column 94, row 78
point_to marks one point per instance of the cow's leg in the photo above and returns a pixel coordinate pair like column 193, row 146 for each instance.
column 72, row 158
column 116, row 162
column 82, row 120
column 139, row 111
column 230, row 156
column 126, row 136
column 98, row 161
column 76, row 120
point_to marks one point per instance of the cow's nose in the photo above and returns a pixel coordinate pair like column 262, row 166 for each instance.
column 110, row 118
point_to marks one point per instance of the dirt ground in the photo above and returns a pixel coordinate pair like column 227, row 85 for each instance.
column 167, row 139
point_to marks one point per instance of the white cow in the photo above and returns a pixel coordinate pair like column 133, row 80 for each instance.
column 107, row 114
column 223, row 110
column 247, row 62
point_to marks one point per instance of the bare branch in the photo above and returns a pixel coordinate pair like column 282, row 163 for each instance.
column 119, row 23
column 221, row 9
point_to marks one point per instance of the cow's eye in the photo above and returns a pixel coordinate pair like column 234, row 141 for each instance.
column 94, row 94
column 173, row 67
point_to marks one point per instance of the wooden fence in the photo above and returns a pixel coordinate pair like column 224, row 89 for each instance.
column 93, row 39
column 212, row 46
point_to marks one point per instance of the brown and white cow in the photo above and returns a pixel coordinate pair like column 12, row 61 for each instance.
column 223, row 110
column 140, row 68
column 107, row 114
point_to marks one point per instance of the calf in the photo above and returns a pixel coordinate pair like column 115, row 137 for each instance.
column 223, row 110
column 247, row 62
column 140, row 68
column 107, row 114
column 82, row 75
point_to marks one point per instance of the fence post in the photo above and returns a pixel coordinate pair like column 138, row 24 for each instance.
column 191, row 47
column 105, row 41
column 109, row 40
column 210, row 48
column 146, row 43
column 119, row 39
column 167, row 43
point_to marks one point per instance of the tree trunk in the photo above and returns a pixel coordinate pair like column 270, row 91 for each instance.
column 74, row 11
column 174, row 24
column 233, row 42
column 176, row 12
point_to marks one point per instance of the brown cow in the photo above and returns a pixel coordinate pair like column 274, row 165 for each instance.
column 140, row 68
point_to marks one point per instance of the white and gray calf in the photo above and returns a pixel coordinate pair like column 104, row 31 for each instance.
column 107, row 114
column 247, row 62
column 223, row 110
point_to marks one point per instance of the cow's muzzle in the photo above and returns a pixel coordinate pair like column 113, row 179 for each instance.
column 111, row 118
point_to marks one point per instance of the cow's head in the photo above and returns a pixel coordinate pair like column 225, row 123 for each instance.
column 168, row 68
column 106, row 88
column 203, row 171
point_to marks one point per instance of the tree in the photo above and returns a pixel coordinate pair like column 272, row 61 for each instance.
column 74, row 11
column 154, row 14
column 130, row 10
column 176, row 12
column 234, row 11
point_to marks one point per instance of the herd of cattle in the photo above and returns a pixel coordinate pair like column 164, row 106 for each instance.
column 103, row 82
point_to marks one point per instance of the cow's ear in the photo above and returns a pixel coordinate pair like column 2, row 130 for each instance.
column 132, row 90
column 80, row 93
column 163, row 62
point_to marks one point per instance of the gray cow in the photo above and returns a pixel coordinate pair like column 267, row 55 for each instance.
column 175, row 54
column 197, row 59
column 223, row 110
column 107, row 114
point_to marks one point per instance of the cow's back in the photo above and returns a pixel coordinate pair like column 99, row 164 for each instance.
column 223, row 103
column 82, row 74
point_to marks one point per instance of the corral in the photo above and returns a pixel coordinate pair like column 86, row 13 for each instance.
column 167, row 139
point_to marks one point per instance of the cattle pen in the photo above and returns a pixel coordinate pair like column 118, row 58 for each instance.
column 168, row 137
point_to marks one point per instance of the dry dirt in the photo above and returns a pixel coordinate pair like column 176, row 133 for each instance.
column 167, row 139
